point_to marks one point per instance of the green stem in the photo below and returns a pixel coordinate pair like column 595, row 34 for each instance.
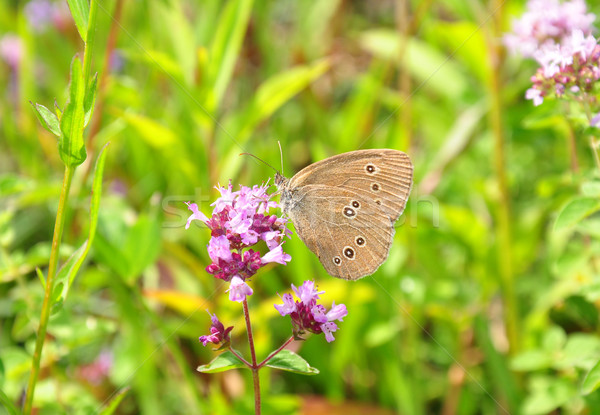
column 47, row 304
column 264, row 362
column 254, row 368
column 503, row 230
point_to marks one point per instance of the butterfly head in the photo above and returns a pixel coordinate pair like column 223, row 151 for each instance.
column 280, row 181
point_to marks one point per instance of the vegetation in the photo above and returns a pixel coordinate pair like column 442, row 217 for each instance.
column 488, row 303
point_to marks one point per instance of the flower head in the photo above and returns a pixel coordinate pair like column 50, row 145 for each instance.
column 547, row 22
column 240, row 220
column 567, row 69
column 218, row 333
column 307, row 315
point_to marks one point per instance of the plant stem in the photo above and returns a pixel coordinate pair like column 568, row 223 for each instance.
column 255, row 367
column 47, row 304
column 244, row 361
column 264, row 362
column 503, row 231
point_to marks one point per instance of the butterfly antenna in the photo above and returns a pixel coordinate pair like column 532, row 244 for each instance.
column 259, row 159
column 280, row 155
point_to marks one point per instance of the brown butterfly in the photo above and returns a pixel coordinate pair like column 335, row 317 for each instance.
column 344, row 208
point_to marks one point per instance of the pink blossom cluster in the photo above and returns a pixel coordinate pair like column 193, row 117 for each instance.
column 307, row 315
column 572, row 67
column 239, row 221
column 547, row 22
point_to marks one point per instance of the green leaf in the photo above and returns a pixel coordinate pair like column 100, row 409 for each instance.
column 591, row 382
column 8, row 405
column 291, row 362
column 575, row 211
column 226, row 45
column 431, row 68
column 90, row 100
column 591, row 189
column 221, row 363
column 80, row 10
column 40, row 275
column 114, row 403
column 532, row 360
column 71, row 146
column 47, row 118
column 68, row 271
column 279, row 89
column 57, row 109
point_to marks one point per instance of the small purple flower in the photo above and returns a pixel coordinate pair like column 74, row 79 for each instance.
column 219, row 248
column 239, row 221
column 218, row 333
column 307, row 315
column 196, row 215
column 238, row 289
column 595, row 121
column 276, row 255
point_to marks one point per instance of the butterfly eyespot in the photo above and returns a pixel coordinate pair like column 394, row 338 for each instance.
column 356, row 204
column 360, row 241
column 337, row 260
column 370, row 168
column 349, row 212
column 378, row 201
column 375, row 187
column 349, row 252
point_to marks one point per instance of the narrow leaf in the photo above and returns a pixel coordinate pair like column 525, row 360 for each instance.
column 8, row 405
column 114, row 403
column 291, row 362
column 47, row 118
column 68, row 271
column 226, row 45
column 40, row 275
column 90, row 100
column 80, row 10
column 223, row 362
column 279, row 89
column 575, row 211
column 592, row 380
column 71, row 146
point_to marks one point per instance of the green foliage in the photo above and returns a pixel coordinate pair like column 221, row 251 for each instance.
column 188, row 86
column 71, row 146
column 80, row 10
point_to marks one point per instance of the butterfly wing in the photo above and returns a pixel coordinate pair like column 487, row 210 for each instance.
column 384, row 176
column 350, row 234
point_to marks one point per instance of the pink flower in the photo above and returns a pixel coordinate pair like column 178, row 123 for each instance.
column 238, row 289
column 219, row 248
column 196, row 215
column 276, row 255
column 11, row 50
column 218, row 332
column 535, row 95
column 307, row 315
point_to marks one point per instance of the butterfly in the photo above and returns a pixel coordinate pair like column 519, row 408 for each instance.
column 344, row 208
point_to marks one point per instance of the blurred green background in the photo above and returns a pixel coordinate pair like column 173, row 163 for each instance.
column 483, row 306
